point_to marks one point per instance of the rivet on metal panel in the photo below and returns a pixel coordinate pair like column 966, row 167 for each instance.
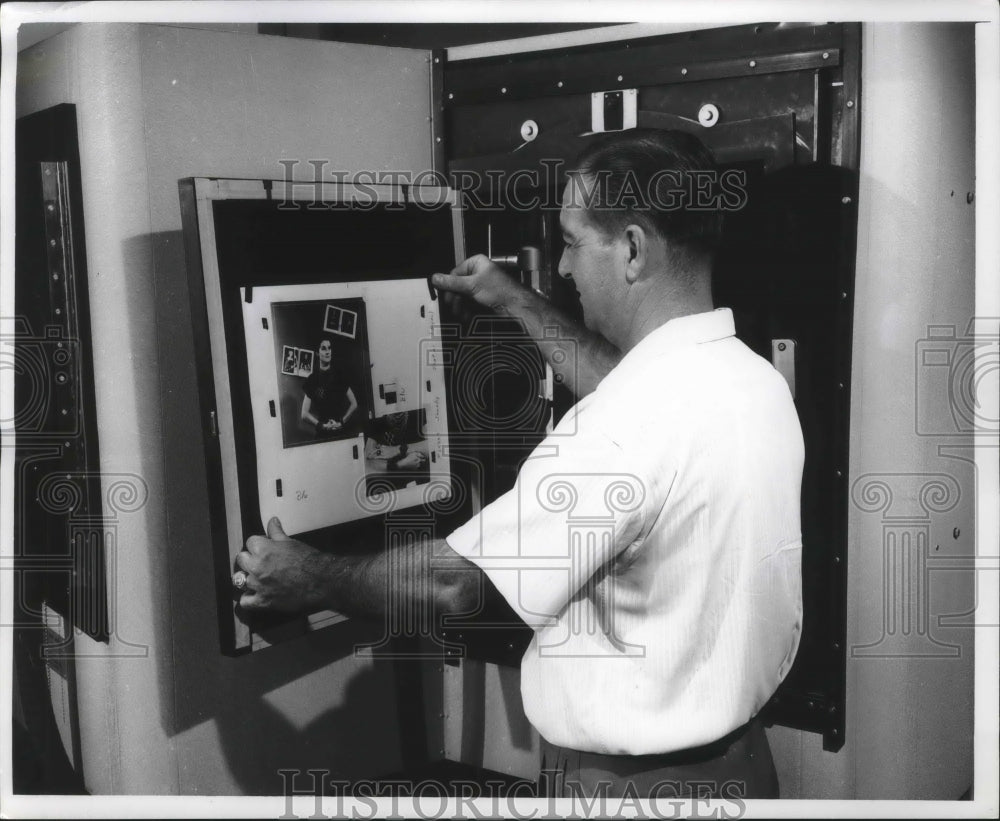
column 503, row 90
column 845, row 200
column 620, row 78
column 50, row 207
column 437, row 139
column 836, row 559
column 969, row 197
column 840, row 385
column 753, row 64
column 55, row 275
column 52, row 242
column 684, row 71
column 58, row 311
column 708, row 115
column 826, row 55
column 559, row 84
column 437, row 59
column 839, row 474
column 850, row 103
column 451, row 96
column 843, row 294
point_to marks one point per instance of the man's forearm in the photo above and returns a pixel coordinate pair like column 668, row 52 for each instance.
column 579, row 358
column 415, row 577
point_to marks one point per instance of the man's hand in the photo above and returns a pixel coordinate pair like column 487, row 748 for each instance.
column 481, row 281
column 283, row 573
column 331, row 424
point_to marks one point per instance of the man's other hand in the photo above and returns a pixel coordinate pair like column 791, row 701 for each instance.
column 481, row 281
column 283, row 573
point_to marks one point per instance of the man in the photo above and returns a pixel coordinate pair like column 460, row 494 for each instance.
column 653, row 541
column 329, row 400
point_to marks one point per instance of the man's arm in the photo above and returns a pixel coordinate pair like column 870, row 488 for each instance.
column 288, row 575
column 580, row 358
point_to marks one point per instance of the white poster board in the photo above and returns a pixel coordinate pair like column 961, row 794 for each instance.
column 348, row 400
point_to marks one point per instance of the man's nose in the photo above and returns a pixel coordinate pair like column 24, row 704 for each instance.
column 563, row 268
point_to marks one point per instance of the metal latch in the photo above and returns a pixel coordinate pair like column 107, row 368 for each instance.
column 613, row 110
column 783, row 359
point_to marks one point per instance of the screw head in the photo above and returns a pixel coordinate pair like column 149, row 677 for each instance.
column 850, row 103
column 503, row 90
column 559, row 84
column 619, row 78
column 845, row 200
column 753, row 64
column 826, row 55
column 684, row 71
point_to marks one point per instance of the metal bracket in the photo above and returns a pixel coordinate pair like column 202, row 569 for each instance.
column 613, row 110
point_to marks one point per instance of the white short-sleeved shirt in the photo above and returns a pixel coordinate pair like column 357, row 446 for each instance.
column 653, row 542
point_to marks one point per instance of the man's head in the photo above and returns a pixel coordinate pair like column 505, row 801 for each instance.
column 627, row 219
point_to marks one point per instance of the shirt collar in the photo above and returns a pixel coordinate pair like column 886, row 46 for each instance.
column 693, row 329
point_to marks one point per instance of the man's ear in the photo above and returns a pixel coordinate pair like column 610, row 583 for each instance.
column 636, row 252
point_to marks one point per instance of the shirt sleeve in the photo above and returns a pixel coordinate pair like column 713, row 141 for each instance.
column 575, row 506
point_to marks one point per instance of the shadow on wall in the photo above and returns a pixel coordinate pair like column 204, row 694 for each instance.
column 258, row 740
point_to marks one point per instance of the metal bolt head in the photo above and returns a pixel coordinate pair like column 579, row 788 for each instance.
column 503, row 90
column 845, row 200
column 559, row 84
column 826, row 55
column 684, row 71
column 753, row 64
column 620, row 78
column 451, row 96
column 850, row 103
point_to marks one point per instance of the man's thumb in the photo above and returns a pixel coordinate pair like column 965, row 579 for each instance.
column 275, row 532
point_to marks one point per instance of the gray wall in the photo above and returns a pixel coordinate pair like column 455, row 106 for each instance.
column 911, row 584
column 155, row 104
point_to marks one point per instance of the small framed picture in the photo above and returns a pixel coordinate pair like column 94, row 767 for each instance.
column 305, row 366
column 340, row 321
column 289, row 360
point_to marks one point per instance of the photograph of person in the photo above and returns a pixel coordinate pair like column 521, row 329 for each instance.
column 289, row 360
column 305, row 364
column 396, row 452
column 322, row 381
column 329, row 403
